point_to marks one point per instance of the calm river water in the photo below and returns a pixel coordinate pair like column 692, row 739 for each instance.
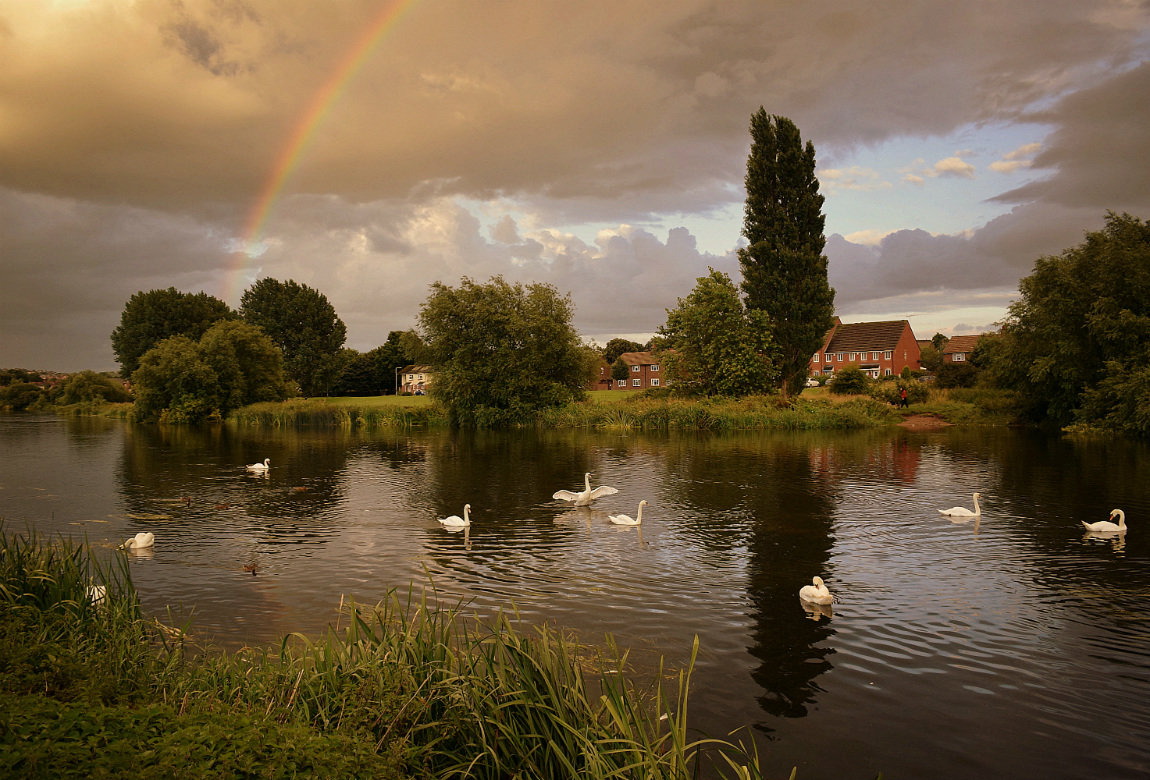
column 1017, row 646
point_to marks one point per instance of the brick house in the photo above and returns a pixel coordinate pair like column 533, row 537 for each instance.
column 644, row 370
column 415, row 379
column 959, row 348
column 878, row 348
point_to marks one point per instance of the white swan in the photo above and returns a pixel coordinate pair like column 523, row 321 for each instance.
column 96, row 594
column 816, row 593
column 455, row 521
column 1107, row 527
column 261, row 466
column 961, row 511
column 587, row 495
column 140, row 541
column 626, row 519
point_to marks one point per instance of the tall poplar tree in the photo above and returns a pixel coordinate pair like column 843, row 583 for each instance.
column 784, row 268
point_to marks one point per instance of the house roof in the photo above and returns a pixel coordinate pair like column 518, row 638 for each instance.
column 866, row 336
column 417, row 369
column 961, row 344
column 639, row 358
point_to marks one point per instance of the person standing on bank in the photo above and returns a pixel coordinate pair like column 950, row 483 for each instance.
column 903, row 403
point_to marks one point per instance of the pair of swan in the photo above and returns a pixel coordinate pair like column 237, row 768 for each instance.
column 961, row 511
column 260, row 466
column 1107, row 527
column 816, row 593
column 587, row 495
column 140, row 541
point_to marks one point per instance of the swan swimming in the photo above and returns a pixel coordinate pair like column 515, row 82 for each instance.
column 455, row 521
column 961, row 511
column 261, row 466
column 139, row 541
column 626, row 519
column 1107, row 527
column 816, row 593
column 587, row 495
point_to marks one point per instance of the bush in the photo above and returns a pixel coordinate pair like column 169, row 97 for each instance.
column 890, row 390
column 849, row 380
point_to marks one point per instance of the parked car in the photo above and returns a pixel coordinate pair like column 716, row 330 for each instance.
column 812, row 382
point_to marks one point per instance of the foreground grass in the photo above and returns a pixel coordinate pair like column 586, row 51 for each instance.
column 89, row 688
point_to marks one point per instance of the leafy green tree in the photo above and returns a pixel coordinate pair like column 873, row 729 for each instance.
column 501, row 352
column 930, row 358
column 784, row 268
column 850, row 380
column 18, row 396
column 87, row 386
column 248, row 366
column 1077, row 339
column 174, row 384
column 719, row 347
column 620, row 370
column 150, row 317
column 939, row 342
column 12, row 376
column 303, row 324
column 617, row 346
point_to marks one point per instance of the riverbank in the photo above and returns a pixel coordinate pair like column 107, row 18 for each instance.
column 815, row 409
column 406, row 689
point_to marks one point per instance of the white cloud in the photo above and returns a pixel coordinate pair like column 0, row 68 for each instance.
column 852, row 178
column 1022, row 157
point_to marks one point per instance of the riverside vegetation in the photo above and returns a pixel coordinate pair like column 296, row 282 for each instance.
column 407, row 688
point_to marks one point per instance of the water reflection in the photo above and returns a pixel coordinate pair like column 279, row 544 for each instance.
column 1000, row 641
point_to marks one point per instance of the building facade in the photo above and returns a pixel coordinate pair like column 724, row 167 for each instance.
column 878, row 348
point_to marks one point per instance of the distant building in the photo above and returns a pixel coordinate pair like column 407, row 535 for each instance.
column 644, row 370
column 959, row 348
column 878, row 348
column 415, row 379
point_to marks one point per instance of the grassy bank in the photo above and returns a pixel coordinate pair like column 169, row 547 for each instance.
column 89, row 688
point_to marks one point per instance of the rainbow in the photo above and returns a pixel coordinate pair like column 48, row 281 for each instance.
column 304, row 130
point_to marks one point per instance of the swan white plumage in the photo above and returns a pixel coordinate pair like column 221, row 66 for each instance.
column 96, row 594
column 626, row 519
column 816, row 593
column 587, row 495
column 1107, row 527
column 455, row 521
column 261, row 466
column 961, row 511
column 140, row 541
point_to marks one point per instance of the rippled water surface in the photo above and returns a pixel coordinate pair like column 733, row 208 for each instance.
column 1014, row 646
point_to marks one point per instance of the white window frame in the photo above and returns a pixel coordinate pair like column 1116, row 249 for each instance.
column 655, row 382
column 636, row 383
column 888, row 372
column 620, row 383
column 829, row 357
column 874, row 356
column 654, row 366
column 841, row 355
column 634, row 369
column 958, row 357
column 888, row 354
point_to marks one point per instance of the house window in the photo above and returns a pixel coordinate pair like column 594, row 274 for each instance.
column 874, row 356
column 840, row 357
column 959, row 357
column 636, row 382
column 421, row 377
column 888, row 372
column 635, row 369
column 655, row 367
column 411, row 377
column 621, row 383
column 887, row 354
column 829, row 358
column 654, row 383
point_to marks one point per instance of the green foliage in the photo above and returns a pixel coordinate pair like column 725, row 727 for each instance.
column 939, row 342
column 150, row 317
column 302, row 323
column 502, row 351
column 719, row 348
column 620, row 370
column 1076, row 341
column 784, row 269
column 15, row 376
column 20, row 396
column 930, row 358
column 617, row 346
column 889, row 390
column 850, row 380
column 87, row 386
column 234, row 364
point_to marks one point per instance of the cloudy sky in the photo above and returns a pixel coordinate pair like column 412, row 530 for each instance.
column 368, row 148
